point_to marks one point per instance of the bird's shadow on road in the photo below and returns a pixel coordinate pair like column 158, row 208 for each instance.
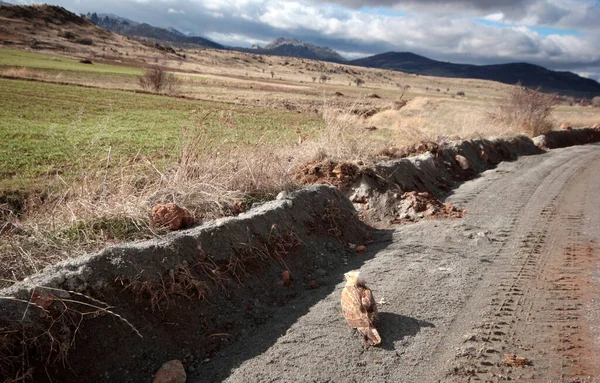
column 393, row 327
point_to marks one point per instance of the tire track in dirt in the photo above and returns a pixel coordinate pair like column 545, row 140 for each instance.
column 536, row 314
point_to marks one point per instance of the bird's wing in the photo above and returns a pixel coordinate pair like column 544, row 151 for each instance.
column 352, row 308
column 367, row 300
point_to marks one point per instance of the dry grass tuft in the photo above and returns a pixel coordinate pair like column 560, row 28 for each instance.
column 23, row 72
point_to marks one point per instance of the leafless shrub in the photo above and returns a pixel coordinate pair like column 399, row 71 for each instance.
column 158, row 80
column 526, row 111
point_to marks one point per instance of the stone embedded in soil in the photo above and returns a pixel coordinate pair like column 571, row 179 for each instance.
column 361, row 249
column 171, row 216
column 286, row 277
column 483, row 156
column 540, row 141
column 170, row 372
column 313, row 284
column 462, row 162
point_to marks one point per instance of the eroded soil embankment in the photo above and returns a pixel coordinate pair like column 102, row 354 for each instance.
column 189, row 294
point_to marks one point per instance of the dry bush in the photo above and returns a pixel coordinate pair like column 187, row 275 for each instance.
column 342, row 139
column 158, row 80
column 526, row 111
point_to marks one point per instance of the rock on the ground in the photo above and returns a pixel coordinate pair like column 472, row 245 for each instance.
column 170, row 372
column 171, row 216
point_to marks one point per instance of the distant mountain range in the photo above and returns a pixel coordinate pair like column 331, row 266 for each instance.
column 296, row 48
column 534, row 76
column 131, row 28
column 529, row 75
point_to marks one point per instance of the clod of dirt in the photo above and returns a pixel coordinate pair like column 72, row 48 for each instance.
column 511, row 360
column 370, row 128
column 462, row 162
column 313, row 284
column 170, row 372
column 414, row 206
column 42, row 298
column 374, row 95
column 286, row 277
column 361, row 249
column 341, row 175
column 338, row 94
column 171, row 216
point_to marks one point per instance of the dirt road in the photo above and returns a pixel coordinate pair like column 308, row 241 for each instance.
column 517, row 276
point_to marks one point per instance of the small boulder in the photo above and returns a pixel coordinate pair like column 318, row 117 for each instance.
column 171, row 216
column 170, row 372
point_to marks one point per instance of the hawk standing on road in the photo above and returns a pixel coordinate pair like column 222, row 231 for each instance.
column 359, row 307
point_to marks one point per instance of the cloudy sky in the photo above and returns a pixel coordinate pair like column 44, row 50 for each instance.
column 558, row 34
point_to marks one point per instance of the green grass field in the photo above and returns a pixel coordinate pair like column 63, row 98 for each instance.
column 14, row 58
column 48, row 128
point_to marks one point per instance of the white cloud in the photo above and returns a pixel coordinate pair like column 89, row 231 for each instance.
column 177, row 11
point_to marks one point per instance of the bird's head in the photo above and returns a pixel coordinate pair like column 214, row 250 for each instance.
column 353, row 278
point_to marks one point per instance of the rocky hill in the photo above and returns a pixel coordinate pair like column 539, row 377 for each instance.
column 534, row 76
column 296, row 48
